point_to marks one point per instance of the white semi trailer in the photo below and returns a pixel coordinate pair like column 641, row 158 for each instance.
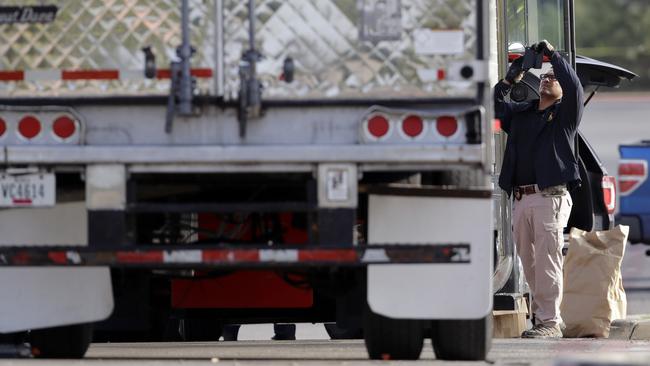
column 202, row 163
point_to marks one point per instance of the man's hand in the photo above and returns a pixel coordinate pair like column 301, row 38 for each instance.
column 544, row 46
column 515, row 71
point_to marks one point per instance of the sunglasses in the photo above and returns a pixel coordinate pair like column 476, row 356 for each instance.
column 549, row 77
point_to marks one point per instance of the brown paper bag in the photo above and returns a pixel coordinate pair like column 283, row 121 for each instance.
column 593, row 287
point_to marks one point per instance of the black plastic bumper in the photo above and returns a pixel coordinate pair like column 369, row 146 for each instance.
column 636, row 228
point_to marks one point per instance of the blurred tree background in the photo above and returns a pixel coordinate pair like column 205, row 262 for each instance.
column 616, row 31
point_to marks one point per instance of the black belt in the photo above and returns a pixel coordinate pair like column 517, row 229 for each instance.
column 522, row 190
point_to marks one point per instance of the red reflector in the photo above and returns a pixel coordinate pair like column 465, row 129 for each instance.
column 29, row 127
column 631, row 169
column 446, row 125
column 631, row 175
column 412, row 126
column 3, row 127
column 627, row 185
column 378, row 126
column 64, row 127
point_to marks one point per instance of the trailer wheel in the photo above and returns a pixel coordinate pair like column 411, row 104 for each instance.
column 336, row 332
column 468, row 340
column 392, row 339
column 69, row 341
column 200, row 329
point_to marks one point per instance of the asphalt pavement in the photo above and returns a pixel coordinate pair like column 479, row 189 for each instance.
column 511, row 352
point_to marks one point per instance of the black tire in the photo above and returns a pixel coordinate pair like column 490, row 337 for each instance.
column 467, row 340
column 336, row 332
column 392, row 339
column 69, row 341
column 200, row 330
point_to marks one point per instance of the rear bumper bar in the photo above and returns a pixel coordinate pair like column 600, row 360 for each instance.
column 427, row 154
column 234, row 256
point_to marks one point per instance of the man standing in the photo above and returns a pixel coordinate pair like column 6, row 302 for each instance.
column 539, row 166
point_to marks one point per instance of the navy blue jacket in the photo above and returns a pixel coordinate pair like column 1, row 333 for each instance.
column 554, row 160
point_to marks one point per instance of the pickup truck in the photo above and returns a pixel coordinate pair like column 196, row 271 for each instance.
column 634, row 190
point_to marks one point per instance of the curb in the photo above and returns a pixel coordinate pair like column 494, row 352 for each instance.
column 634, row 328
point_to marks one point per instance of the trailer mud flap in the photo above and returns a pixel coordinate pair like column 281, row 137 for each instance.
column 459, row 289
column 43, row 297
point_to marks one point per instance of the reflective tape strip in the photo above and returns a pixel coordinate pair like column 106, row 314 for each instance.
column 11, row 75
column 131, row 75
column 328, row 255
column 183, row 256
column 201, row 73
column 36, row 75
column 197, row 73
column 139, row 257
column 90, row 74
column 375, row 255
column 279, row 255
column 230, row 256
column 105, row 74
column 58, row 257
column 444, row 253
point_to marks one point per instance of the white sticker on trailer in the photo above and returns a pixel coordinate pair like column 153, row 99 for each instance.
column 337, row 185
column 438, row 42
column 27, row 190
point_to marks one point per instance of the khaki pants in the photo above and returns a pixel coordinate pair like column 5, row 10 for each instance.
column 538, row 223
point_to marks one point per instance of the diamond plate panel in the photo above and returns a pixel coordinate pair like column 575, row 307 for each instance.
column 341, row 48
column 335, row 54
column 104, row 34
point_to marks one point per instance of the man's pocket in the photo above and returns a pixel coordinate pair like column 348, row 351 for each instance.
column 561, row 210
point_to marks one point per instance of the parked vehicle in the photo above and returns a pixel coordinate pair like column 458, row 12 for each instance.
column 634, row 190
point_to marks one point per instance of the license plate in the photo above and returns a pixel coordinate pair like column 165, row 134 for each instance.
column 27, row 190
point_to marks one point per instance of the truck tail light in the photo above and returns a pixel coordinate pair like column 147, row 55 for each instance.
column 631, row 174
column 378, row 126
column 29, row 127
column 412, row 126
column 3, row 127
column 64, row 127
column 446, row 125
column 609, row 193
